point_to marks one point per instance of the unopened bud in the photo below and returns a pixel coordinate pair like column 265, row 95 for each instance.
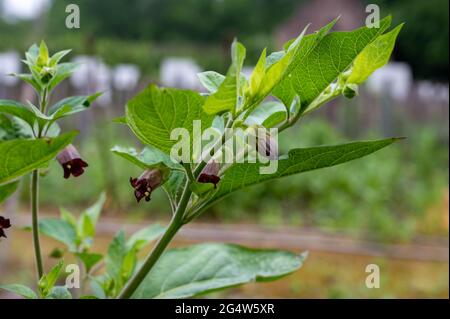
column 210, row 174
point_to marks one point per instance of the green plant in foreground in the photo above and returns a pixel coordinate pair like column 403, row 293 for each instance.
column 310, row 71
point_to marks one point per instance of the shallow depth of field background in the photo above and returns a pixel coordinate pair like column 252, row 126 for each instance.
column 390, row 208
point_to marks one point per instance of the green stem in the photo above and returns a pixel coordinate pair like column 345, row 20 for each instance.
column 35, row 222
column 158, row 249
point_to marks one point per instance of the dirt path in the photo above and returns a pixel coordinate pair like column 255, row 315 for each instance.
column 294, row 238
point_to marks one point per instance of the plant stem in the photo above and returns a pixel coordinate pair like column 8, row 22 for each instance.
column 35, row 222
column 158, row 249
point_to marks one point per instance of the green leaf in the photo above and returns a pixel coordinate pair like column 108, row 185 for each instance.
column 43, row 54
column 201, row 189
column 19, row 157
column 173, row 185
column 154, row 113
column 227, row 96
column 115, row 256
column 120, row 120
column 144, row 236
column 269, row 114
column 18, row 110
column 85, row 230
column 28, row 78
column 149, row 158
column 298, row 161
column 198, row 269
column 211, row 80
column 94, row 211
column 13, row 128
column 63, row 71
column 20, row 290
column 7, row 190
column 71, row 105
column 54, row 60
column 47, row 281
column 67, row 216
column 89, row 259
column 59, row 230
column 374, row 56
column 258, row 74
column 59, row 292
column 325, row 62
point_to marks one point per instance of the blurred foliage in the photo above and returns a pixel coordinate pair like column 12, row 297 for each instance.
column 173, row 20
column 424, row 39
column 386, row 195
column 144, row 32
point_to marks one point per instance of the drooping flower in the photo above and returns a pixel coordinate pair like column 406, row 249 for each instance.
column 146, row 184
column 4, row 224
column 71, row 161
column 210, row 174
column 267, row 146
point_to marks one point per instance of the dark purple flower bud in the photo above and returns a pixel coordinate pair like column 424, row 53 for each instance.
column 4, row 224
column 146, row 184
column 70, row 160
column 210, row 174
column 267, row 146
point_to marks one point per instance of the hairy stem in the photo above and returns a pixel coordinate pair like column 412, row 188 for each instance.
column 35, row 222
column 158, row 249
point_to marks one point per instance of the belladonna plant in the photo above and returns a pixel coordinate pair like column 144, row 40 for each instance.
column 36, row 125
column 285, row 86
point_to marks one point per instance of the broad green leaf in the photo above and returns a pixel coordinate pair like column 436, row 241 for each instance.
column 154, row 113
column 59, row 292
column 227, row 96
column 20, row 290
column 89, row 259
column 144, row 236
column 280, row 64
column 19, row 157
column 327, row 60
column 59, row 230
column 18, row 110
column 7, row 190
column 198, row 269
column 149, row 158
column 211, row 80
column 47, row 281
column 374, row 56
column 88, row 297
column 298, row 161
column 71, row 105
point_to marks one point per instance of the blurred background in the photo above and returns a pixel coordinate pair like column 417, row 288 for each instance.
column 390, row 208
